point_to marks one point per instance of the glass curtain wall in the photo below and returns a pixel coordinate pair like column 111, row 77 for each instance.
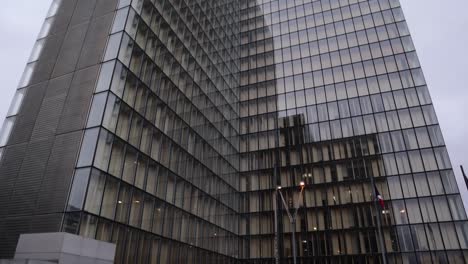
column 158, row 168
column 203, row 108
column 332, row 91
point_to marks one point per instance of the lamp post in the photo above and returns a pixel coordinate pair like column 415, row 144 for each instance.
column 292, row 217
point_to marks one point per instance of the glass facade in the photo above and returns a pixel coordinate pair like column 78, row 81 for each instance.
column 196, row 111
column 332, row 95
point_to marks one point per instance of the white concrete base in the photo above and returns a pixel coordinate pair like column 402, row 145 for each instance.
column 12, row 261
column 62, row 248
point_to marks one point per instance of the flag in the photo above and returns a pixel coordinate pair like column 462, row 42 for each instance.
column 379, row 197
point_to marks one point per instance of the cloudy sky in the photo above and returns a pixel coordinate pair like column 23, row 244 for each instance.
column 438, row 29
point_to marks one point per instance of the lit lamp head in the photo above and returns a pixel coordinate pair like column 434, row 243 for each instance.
column 302, row 184
column 278, row 187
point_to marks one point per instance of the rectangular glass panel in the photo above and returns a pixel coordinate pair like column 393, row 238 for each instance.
column 46, row 27
column 113, row 46
column 27, row 74
column 103, row 150
column 109, row 200
column 36, row 52
column 16, row 103
column 97, row 110
column 95, row 192
column 6, row 130
column 105, row 76
column 123, row 203
column 88, row 146
column 77, row 193
column 120, row 20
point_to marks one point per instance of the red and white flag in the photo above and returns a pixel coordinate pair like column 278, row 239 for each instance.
column 379, row 197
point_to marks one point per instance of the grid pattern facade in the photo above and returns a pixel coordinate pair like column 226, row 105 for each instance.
column 165, row 126
column 157, row 170
column 332, row 94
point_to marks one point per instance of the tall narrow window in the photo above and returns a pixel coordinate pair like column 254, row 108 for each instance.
column 109, row 201
column 77, row 193
column 27, row 75
column 16, row 103
column 88, row 147
column 95, row 192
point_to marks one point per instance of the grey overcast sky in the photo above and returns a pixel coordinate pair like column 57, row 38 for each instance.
column 438, row 29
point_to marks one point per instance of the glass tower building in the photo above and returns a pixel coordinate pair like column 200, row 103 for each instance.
column 166, row 127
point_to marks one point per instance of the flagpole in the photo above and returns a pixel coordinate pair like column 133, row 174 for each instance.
column 379, row 223
column 464, row 176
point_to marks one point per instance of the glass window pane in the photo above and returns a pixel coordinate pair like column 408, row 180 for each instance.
column 88, row 147
column 442, row 158
column 436, row 136
column 119, row 20
column 105, row 76
column 77, row 193
column 410, row 139
column 423, row 94
column 46, row 27
column 448, row 182
column 434, row 237
column 123, row 203
column 136, row 209
column 123, row 124
column 419, row 237
column 27, row 75
column 429, row 115
column 435, row 183
column 407, row 184
column 422, row 186
column 394, row 187
column 141, row 171
column 119, row 79
column 147, row 216
column 88, row 226
column 109, row 201
column 111, row 112
column 456, row 207
column 113, row 46
column 417, row 116
column 130, row 165
column 97, row 110
column 16, row 103
column 132, row 24
column 405, row 119
column 462, row 232
column 95, row 191
column 428, row 210
column 423, row 137
column 117, row 157
column 402, row 162
column 399, row 211
column 414, row 214
column 6, row 130
column 449, row 236
column 398, row 142
column 385, row 143
column 37, row 50
column 429, row 159
column 443, row 212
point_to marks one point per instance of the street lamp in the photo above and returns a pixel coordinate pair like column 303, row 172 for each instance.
column 292, row 217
